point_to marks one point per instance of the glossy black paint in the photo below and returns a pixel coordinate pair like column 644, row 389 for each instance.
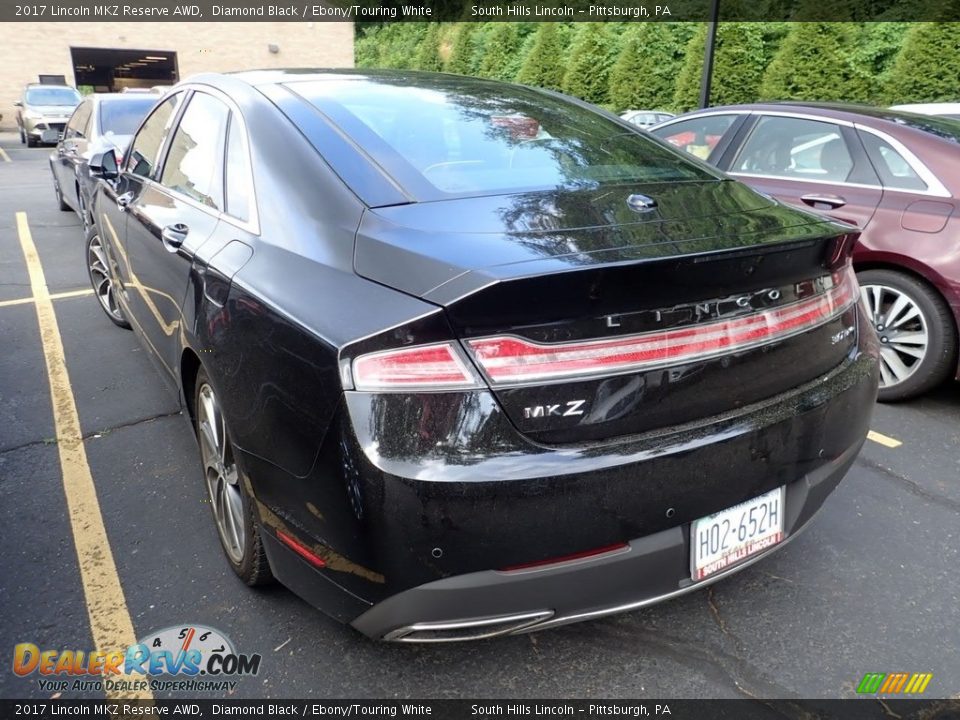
column 399, row 489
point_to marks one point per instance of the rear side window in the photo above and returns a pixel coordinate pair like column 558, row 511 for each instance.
column 891, row 166
column 697, row 136
column 796, row 148
column 146, row 146
column 453, row 136
column 239, row 192
column 194, row 164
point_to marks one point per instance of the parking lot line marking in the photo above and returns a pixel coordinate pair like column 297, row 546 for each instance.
column 53, row 296
column 110, row 621
column 883, row 439
column 4, row 156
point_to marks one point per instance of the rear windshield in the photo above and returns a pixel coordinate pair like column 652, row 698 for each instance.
column 53, row 96
column 456, row 137
column 123, row 116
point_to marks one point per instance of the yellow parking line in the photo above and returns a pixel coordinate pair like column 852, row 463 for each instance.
column 53, row 296
column 883, row 439
column 110, row 620
column 4, row 156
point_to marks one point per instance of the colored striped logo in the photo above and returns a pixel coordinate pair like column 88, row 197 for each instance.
column 894, row 683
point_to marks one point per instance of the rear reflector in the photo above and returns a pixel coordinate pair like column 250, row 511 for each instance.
column 300, row 549
column 507, row 359
column 423, row 367
column 605, row 550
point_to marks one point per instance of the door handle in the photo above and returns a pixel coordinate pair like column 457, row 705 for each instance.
column 832, row 201
column 174, row 235
column 124, row 200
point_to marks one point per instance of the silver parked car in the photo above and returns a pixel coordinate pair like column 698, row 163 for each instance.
column 645, row 118
column 100, row 123
column 947, row 110
column 43, row 112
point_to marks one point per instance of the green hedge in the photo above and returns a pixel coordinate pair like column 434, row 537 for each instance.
column 658, row 65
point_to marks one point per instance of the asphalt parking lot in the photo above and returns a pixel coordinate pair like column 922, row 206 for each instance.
column 872, row 586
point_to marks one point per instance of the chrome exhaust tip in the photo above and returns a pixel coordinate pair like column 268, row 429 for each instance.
column 470, row 629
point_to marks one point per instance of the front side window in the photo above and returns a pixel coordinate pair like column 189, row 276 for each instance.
column 697, row 136
column 78, row 122
column 146, row 145
column 795, row 148
column 194, row 164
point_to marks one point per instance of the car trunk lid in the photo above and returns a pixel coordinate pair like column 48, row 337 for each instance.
column 590, row 320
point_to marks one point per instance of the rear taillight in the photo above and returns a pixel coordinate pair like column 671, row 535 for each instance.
column 422, row 367
column 508, row 359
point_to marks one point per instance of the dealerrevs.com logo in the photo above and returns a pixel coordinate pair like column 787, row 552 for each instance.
column 187, row 658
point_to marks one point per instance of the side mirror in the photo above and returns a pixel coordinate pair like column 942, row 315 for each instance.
column 18, row 104
column 104, row 165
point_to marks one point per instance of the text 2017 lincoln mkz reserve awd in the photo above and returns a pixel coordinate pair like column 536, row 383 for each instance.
column 467, row 358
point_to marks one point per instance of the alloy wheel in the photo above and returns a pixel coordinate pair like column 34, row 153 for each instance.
column 100, row 276
column 902, row 329
column 84, row 218
column 223, row 478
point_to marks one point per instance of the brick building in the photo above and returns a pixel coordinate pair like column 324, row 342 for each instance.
column 111, row 55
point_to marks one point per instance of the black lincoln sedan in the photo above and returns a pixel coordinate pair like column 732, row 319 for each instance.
column 466, row 358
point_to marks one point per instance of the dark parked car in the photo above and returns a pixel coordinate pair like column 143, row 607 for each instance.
column 466, row 358
column 893, row 174
column 100, row 122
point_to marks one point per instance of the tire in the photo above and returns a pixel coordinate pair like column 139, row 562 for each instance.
column 59, row 193
column 23, row 136
column 919, row 350
column 31, row 142
column 101, row 280
column 232, row 506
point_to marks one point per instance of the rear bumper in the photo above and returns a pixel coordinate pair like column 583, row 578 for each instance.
column 652, row 569
column 427, row 528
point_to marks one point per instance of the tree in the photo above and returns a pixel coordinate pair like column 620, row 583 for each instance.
column 815, row 62
column 739, row 64
column 588, row 65
column 544, row 66
column 501, row 53
column 646, row 68
column 461, row 58
column 428, row 53
column 927, row 68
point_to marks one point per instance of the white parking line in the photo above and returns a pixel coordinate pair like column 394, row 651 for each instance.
column 3, row 155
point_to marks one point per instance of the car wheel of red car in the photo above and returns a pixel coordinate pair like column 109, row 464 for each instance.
column 918, row 338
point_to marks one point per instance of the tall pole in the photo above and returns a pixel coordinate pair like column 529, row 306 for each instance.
column 708, row 54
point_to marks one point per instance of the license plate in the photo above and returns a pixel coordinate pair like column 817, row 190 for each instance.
column 729, row 536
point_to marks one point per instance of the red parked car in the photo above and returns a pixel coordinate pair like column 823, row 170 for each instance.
column 894, row 174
